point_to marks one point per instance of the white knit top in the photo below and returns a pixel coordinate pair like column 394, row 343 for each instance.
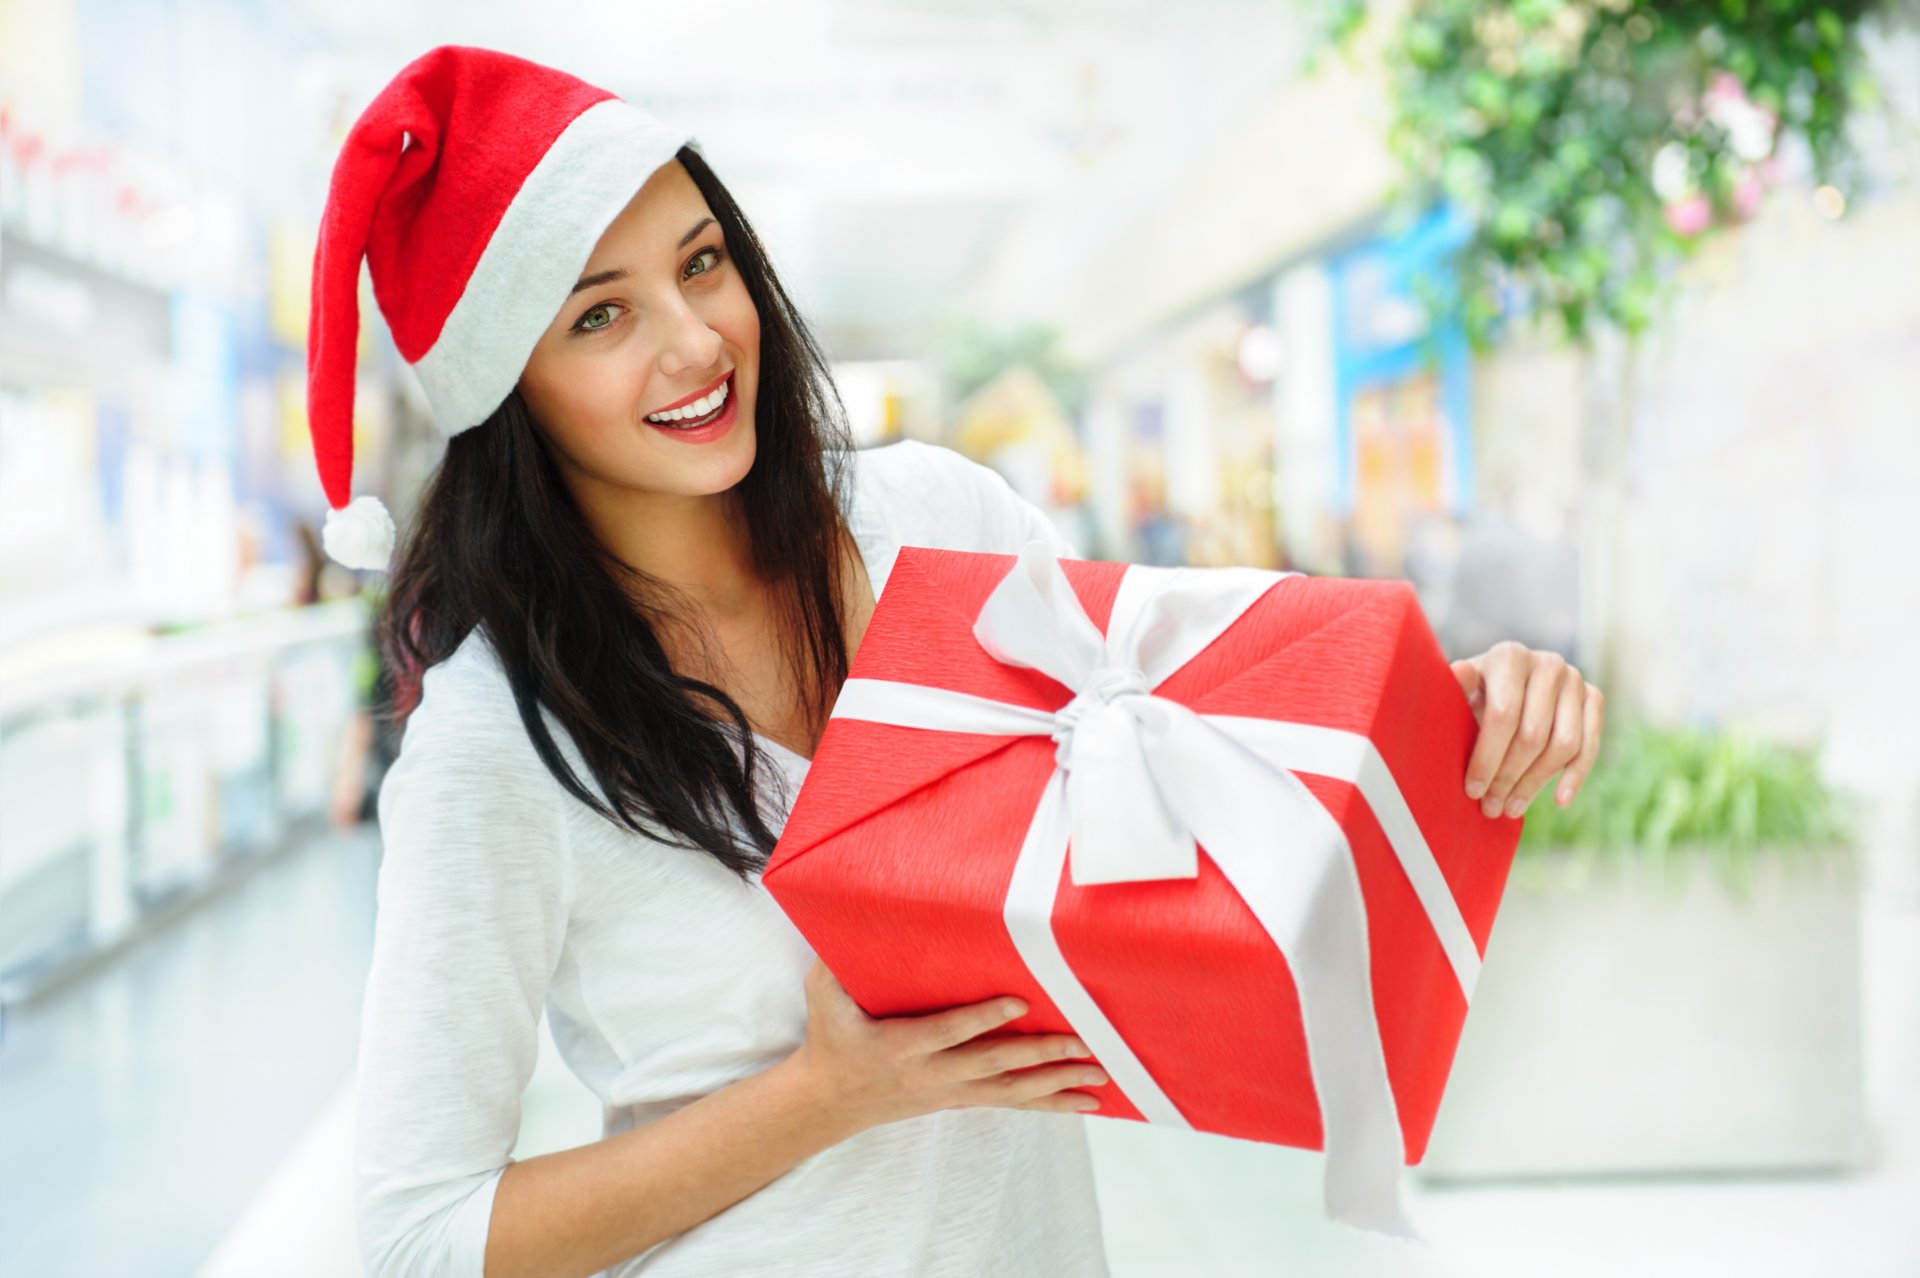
column 665, row 978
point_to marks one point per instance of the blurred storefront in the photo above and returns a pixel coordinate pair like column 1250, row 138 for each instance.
column 1309, row 420
column 1393, row 452
column 176, row 661
column 1017, row 425
column 1722, row 500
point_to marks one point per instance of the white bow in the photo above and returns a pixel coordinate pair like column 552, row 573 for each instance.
column 1118, row 744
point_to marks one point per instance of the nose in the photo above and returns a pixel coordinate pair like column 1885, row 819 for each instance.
column 689, row 342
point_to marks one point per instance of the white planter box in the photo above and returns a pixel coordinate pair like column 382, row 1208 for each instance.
column 1626, row 1024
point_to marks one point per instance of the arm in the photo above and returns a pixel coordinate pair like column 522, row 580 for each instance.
column 474, row 895
column 579, row 1211
column 473, row 899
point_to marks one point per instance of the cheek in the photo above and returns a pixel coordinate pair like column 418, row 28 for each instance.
column 740, row 320
column 581, row 405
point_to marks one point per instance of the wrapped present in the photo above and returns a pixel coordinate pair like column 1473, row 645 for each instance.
column 1212, row 821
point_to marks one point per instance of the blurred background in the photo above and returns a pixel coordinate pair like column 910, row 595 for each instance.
column 1598, row 320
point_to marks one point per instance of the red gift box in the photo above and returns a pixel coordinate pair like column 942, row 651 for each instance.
column 972, row 825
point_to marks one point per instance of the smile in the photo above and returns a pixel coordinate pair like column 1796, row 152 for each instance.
column 698, row 412
column 708, row 418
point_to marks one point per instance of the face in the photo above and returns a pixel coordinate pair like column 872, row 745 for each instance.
column 664, row 317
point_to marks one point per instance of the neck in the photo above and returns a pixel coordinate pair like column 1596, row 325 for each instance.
column 698, row 545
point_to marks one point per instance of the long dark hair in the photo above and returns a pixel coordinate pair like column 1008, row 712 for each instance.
column 497, row 541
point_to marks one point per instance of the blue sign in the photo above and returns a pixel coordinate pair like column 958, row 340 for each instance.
column 1401, row 383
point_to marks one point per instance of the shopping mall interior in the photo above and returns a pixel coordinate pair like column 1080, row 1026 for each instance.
column 1168, row 272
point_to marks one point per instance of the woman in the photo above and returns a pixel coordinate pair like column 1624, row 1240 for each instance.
column 616, row 644
column 625, row 605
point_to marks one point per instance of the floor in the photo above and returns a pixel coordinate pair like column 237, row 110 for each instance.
column 142, row 1107
column 187, row 1111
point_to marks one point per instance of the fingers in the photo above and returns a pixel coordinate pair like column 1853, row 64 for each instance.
column 1576, row 773
column 1472, row 683
column 998, row 1056
column 1024, row 1087
column 1527, row 726
column 1503, row 669
column 937, row 1031
column 1062, row 1103
column 1566, row 735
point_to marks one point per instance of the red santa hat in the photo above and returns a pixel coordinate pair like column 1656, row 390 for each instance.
column 475, row 186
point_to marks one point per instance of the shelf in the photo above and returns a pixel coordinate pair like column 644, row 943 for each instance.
column 118, row 664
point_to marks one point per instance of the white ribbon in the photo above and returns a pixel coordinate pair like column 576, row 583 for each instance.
column 1140, row 780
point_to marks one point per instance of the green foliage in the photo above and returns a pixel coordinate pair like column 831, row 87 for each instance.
column 969, row 354
column 1666, row 794
column 1547, row 120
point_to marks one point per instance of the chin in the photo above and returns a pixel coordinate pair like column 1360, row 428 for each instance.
column 724, row 467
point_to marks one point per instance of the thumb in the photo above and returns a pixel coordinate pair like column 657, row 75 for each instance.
column 823, row 984
column 1472, row 682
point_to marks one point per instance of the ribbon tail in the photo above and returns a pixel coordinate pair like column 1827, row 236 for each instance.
column 1029, row 921
column 1328, row 752
column 1289, row 860
column 1364, row 1145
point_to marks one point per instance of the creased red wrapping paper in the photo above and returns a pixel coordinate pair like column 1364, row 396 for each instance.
column 896, row 857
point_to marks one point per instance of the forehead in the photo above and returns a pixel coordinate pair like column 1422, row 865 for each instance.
column 651, row 224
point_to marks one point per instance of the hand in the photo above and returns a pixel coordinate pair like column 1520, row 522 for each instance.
column 1536, row 716
column 872, row 1070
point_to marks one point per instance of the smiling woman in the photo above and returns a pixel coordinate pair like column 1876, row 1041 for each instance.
column 618, row 619
column 654, row 541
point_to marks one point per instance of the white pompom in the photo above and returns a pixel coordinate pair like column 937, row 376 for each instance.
column 361, row 536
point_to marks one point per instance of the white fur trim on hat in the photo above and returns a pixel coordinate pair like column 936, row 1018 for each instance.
column 529, row 266
column 361, row 536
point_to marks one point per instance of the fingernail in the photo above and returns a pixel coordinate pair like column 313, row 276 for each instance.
column 1490, row 806
column 1516, row 807
column 1012, row 1007
column 1076, row 1048
column 1476, row 788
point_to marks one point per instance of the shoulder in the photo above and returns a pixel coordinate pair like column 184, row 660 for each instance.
column 467, row 701
column 465, row 741
column 475, row 832
column 939, row 497
column 924, row 469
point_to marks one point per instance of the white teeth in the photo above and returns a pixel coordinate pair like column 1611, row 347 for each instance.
column 699, row 407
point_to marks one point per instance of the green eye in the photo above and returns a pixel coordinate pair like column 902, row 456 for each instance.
column 582, row 326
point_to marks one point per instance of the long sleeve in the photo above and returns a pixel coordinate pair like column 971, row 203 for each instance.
column 473, row 899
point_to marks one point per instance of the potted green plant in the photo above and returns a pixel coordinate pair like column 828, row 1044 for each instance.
column 1673, row 981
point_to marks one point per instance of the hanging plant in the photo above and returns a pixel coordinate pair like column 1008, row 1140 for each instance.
column 1595, row 143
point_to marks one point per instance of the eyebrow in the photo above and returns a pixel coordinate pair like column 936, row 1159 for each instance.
column 620, row 272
